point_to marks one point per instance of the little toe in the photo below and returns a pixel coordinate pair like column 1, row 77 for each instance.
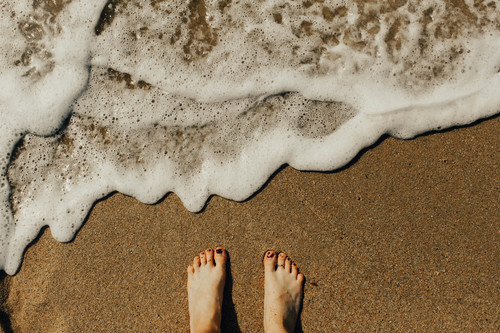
column 281, row 260
column 209, row 255
column 270, row 261
column 190, row 270
column 220, row 257
column 203, row 258
column 300, row 278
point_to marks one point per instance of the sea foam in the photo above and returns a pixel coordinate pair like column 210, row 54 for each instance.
column 211, row 97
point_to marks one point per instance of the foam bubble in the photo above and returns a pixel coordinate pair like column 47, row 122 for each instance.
column 211, row 97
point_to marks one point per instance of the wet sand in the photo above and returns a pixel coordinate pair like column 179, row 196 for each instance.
column 405, row 238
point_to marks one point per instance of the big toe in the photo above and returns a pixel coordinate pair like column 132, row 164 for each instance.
column 220, row 257
column 270, row 260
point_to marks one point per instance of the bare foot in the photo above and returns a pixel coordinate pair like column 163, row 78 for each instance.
column 206, row 278
column 282, row 293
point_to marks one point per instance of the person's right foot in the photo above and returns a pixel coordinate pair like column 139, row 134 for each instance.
column 282, row 293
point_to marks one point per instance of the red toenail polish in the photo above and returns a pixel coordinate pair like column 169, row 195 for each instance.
column 270, row 254
column 219, row 251
column 209, row 250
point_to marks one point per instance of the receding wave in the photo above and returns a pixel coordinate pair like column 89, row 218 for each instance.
column 211, row 97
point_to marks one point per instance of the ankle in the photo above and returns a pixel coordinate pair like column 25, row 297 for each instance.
column 206, row 324
column 276, row 328
column 206, row 327
column 276, row 325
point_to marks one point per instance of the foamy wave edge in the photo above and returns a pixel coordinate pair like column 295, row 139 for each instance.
column 269, row 152
column 303, row 154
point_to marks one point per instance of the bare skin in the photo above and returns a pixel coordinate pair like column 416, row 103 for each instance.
column 282, row 292
column 206, row 278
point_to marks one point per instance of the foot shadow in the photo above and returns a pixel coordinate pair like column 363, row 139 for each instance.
column 298, row 325
column 229, row 322
column 5, row 323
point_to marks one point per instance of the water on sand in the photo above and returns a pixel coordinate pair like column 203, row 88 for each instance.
column 210, row 97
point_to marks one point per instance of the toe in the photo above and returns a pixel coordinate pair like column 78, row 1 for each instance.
column 209, row 255
column 288, row 264
column 270, row 261
column 220, row 257
column 196, row 263
column 190, row 270
column 203, row 258
column 300, row 278
column 295, row 270
column 281, row 260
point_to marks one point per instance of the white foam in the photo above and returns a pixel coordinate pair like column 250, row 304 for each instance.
column 217, row 106
column 43, row 69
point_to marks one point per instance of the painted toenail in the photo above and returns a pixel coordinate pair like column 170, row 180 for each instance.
column 219, row 251
column 209, row 250
column 270, row 254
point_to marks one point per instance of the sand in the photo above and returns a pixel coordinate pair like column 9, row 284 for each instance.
column 405, row 238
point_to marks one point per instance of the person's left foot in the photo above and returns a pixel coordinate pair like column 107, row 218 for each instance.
column 206, row 278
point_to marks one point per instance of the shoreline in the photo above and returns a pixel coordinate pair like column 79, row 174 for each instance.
column 404, row 237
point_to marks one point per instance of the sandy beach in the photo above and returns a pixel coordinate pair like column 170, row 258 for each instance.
column 405, row 238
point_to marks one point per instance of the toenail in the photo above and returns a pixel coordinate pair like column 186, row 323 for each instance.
column 219, row 251
column 209, row 250
column 270, row 254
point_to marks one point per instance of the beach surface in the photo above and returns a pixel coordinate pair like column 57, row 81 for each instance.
column 405, row 238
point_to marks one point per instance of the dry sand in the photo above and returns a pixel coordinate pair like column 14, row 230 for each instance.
column 405, row 238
